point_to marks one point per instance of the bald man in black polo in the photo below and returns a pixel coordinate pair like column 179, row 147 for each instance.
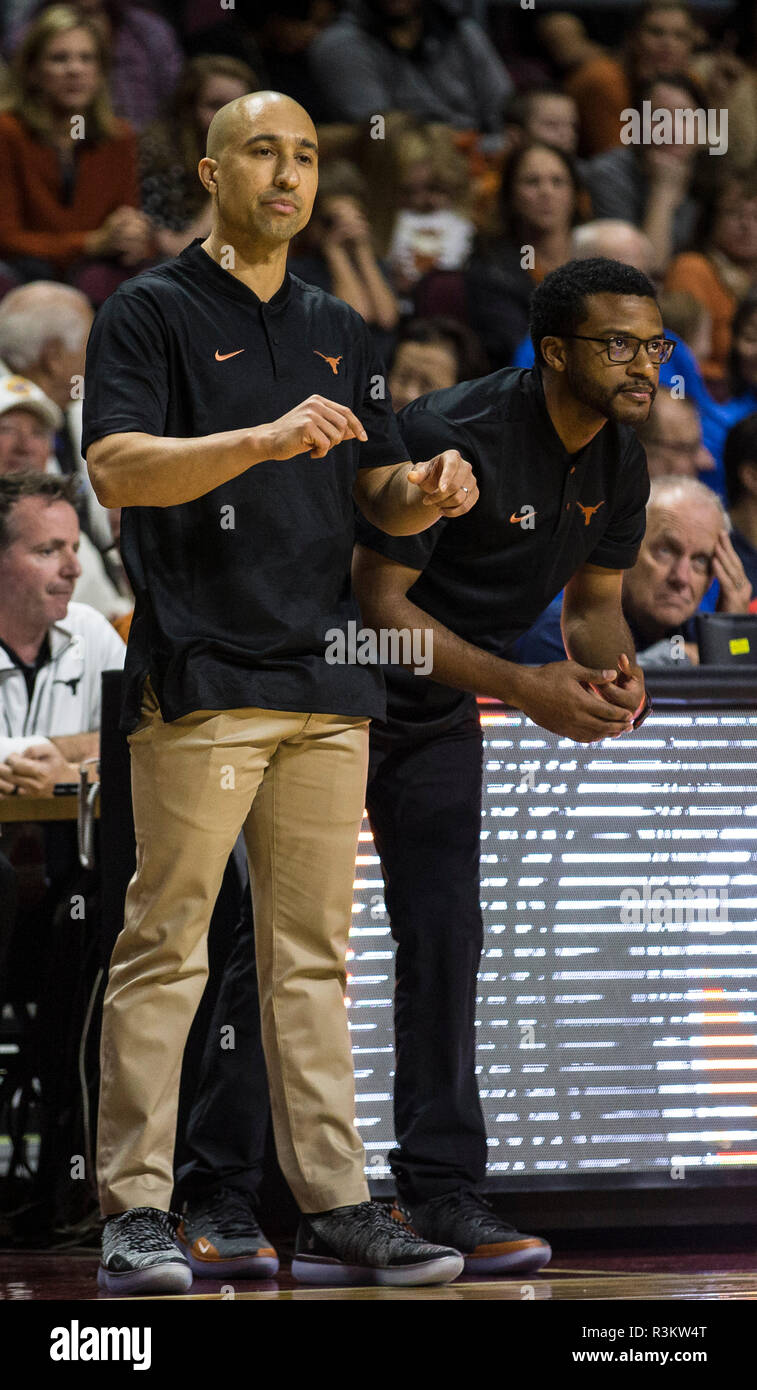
column 229, row 411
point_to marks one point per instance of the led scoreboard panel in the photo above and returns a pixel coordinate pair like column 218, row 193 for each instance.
column 617, row 1011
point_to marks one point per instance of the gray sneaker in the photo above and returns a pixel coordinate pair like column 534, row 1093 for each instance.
column 363, row 1245
column 489, row 1244
column 221, row 1237
column 140, row 1254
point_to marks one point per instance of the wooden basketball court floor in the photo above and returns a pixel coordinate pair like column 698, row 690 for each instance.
column 660, row 1276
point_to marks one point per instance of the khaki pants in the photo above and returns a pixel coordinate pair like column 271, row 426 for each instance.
column 295, row 784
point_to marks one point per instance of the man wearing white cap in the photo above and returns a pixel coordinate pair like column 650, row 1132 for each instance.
column 28, row 422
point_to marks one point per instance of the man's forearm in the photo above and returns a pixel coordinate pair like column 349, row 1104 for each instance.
column 145, row 470
column 384, row 308
column 398, row 507
column 658, row 222
column 598, row 637
column 456, row 662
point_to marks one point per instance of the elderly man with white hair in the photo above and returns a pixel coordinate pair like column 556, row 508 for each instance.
column 44, row 328
column 685, row 547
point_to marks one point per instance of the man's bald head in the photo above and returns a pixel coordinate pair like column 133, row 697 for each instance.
column 617, row 240
column 43, row 333
column 261, row 171
column 242, row 117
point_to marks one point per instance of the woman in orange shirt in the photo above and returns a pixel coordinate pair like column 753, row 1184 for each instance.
column 68, row 168
column 726, row 270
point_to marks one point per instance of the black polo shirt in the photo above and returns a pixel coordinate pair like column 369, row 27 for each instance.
column 541, row 514
column 236, row 591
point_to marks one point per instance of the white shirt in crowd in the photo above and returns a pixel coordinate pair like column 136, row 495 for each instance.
column 66, row 697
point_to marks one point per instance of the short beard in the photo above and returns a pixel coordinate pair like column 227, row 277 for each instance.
column 586, row 390
column 604, row 402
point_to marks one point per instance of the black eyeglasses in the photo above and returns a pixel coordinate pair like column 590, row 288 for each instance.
column 620, row 347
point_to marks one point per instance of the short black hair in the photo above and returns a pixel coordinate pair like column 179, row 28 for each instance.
column 682, row 80
column 558, row 304
column 740, row 447
column 14, row 486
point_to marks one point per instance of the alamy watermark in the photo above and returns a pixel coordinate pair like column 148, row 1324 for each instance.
column 389, row 646
column 645, row 904
column 683, row 126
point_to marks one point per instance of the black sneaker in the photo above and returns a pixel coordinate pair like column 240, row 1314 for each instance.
column 140, row 1254
column 363, row 1245
column 221, row 1237
column 466, row 1219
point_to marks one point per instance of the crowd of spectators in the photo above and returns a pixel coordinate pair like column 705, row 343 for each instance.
column 461, row 161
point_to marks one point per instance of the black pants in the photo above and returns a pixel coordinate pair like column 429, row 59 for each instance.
column 424, row 804
column 223, row 1141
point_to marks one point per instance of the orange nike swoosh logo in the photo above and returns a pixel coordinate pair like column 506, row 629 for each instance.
column 221, row 356
column 522, row 516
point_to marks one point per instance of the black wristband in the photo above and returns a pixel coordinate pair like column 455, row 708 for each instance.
column 645, row 710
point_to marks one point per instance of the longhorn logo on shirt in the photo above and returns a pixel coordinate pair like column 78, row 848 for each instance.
column 73, row 683
column 332, row 361
column 589, row 511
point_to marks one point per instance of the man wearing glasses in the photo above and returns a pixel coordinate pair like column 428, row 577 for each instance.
column 563, row 485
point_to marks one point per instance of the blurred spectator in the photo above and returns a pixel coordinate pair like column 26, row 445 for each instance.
column 207, row 28
column 660, row 41
column 726, row 268
column 44, row 328
column 545, row 114
column 145, row 55
column 171, row 148
column 432, row 354
column 284, row 31
column 335, row 251
column 652, row 185
column 616, row 239
column 596, row 82
column 659, row 44
column 741, row 488
column 672, row 438
column 432, row 229
column 26, row 415
column 52, row 656
column 28, row 420
column 67, row 165
column 49, row 681
column 740, row 396
column 742, row 360
column 410, row 55
column 688, row 319
column 730, row 82
column 685, row 546
column 538, row 207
